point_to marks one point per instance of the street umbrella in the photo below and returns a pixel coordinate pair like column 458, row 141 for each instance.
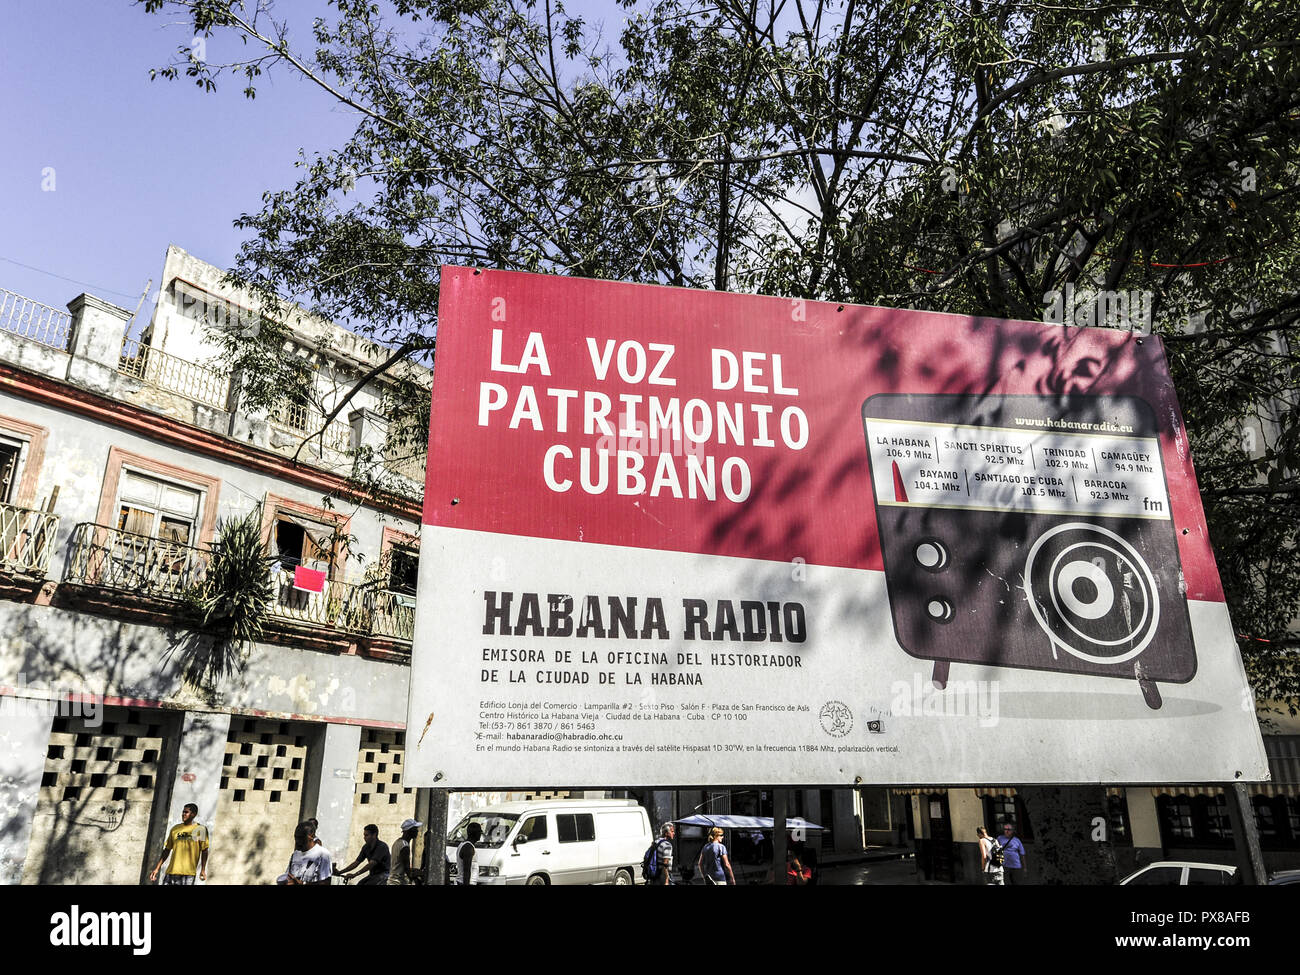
column 727, row 821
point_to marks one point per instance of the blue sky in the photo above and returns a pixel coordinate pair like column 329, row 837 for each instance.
column 136, row 164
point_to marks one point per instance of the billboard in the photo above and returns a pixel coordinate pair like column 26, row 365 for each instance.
column 675, row 537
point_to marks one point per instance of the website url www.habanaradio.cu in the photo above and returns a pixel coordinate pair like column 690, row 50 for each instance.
column 1204, row 942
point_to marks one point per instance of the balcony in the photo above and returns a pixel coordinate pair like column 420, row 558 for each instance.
column 26, row 540
column 305, row 422
column 106, row 558
column 33, row 321
column 173, row 374
column 363, row 609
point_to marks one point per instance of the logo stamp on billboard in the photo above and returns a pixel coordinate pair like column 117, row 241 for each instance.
column 836, row 719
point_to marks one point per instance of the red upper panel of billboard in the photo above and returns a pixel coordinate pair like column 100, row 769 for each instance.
column 733, row 425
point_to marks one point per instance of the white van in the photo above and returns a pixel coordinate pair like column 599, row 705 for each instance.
column 556, row 841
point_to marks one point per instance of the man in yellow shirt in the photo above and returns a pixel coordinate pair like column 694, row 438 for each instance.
column 187, row 843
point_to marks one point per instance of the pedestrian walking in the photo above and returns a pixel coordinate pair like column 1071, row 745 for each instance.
column 374, row 858
column 1014, row 853
column 403, row 873
column 991, row 858
column 465, row 854
column 187, row 845
column 664, row 855
column 713, row 863
column 311, row 864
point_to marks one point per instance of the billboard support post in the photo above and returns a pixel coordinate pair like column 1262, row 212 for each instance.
column 1245, row 833
column 432, row 808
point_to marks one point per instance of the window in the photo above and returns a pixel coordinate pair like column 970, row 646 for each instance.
column 578, row 828
column 1218, row 824
column 1278, row 822
column 1001, row 809
column 403, row 570
column 11, row 452
column 495, row 828
column 157, row 522
column 299, row 541
column 1195, row 821
column 151, row 499
column 1007, row 809
column 301, row 534
column 156, row 508
column 1203, row 877
column 1176, row 818
column 22, row 453
column 534, row 829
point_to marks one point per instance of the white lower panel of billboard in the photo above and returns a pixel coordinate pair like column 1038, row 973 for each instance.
column 800, row 681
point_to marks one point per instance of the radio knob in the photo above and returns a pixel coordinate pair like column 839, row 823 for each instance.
column 931, row 555
column 939, row 609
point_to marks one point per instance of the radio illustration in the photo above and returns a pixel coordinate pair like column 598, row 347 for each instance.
column 1031, row 532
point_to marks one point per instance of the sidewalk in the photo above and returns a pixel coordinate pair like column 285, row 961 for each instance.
column 877, row 865
column 871, row 854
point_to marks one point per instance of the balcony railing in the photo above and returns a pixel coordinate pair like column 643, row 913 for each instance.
column 393, row 615
column 174, row 374
column 32, row 320
column 306, row 422
column 364, row 609
column 113, row 559
column 109, row 558
column 26, row 539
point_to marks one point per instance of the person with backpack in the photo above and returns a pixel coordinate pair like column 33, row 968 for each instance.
column 658, row 860
column 991, row 858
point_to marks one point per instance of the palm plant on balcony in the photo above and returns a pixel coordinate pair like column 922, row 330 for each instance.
column 225, row 610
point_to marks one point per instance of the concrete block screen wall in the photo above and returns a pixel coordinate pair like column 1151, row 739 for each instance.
column 260, row 802
column 381, row 796
column 91, row 824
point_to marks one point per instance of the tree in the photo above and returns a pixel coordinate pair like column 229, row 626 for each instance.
column 988, row 158
column 1144, row 152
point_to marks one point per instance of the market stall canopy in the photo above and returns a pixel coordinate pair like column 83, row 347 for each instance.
column 744, row 822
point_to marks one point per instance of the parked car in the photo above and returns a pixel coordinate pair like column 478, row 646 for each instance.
column 556, row 841
column 1175, row 873
column 1283, row 877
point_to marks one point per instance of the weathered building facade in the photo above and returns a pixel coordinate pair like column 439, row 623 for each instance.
column 123, row 461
